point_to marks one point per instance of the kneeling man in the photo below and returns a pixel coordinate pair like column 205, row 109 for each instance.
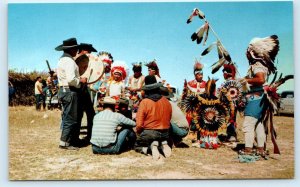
column 106, row 139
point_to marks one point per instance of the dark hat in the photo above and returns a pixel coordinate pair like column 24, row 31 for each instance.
column 87, row 47
column 151, row 83
column 123, row 101
column 67, row 44
column 166, row 92
column 51, row 72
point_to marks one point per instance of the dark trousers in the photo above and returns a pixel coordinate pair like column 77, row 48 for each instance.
column 177, row 133
column 85, row 105
column 148, row 136
column 125, row 141
column 69, row 123
column 231, row 130
column 39, row 101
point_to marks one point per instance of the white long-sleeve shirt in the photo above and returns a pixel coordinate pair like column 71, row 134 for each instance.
column 68, row 71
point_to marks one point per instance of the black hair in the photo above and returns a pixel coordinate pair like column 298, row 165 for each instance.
column 137, row 68
column 111, row 106
column 153, row 91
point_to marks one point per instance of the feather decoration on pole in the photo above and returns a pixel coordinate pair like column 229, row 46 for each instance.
column 196, row 12
column 208, row 49
column 198, row 35
column 206, row 31
column 220, row 54
column 218, row 65
column 203, row 32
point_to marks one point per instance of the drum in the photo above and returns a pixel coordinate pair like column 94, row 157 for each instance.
column 94, row 70
column 83, row 63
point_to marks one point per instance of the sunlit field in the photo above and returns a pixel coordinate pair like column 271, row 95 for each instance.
column 34, row 155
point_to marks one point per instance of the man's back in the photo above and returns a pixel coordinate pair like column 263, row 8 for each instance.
column 104, row 127
column 154, row 115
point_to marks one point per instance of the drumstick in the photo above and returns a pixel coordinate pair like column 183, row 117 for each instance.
column 82, row 88
column 90, row 75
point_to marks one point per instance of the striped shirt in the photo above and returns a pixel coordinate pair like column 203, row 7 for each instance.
column 105, row 125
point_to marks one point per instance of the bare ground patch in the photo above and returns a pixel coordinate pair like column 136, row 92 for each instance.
column 34, row 155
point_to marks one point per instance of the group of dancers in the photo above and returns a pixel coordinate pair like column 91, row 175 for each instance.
column 154, row 121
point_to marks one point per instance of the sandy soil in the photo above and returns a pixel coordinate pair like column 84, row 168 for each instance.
column 34, row 155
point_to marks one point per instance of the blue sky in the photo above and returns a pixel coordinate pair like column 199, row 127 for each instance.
column 135, row 32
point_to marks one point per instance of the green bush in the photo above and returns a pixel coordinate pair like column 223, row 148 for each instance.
column 24, row 86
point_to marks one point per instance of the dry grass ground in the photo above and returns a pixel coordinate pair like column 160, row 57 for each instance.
column 34, row 155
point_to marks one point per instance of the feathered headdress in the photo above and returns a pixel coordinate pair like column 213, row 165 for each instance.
column 198, row 67
column 229, row 68
column 153, row 65
column 264, row 50
column 137, row 67
column 119, row 69
column 106, row 57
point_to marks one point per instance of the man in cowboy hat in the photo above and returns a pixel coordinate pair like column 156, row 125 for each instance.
column 153, row 120
column 85, row 99
column 86, row 48
column 105, row 139
column 70, row 82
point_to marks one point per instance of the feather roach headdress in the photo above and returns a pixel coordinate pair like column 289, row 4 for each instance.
column 198, row 67
column 137, row 67
column 152, row 65
column 229, row 68
column 264, row 50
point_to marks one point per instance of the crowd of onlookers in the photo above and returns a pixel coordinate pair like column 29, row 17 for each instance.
column 44, row 90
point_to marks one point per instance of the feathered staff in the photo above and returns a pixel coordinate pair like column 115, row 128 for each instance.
column 270, row 103
column 203, row 32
